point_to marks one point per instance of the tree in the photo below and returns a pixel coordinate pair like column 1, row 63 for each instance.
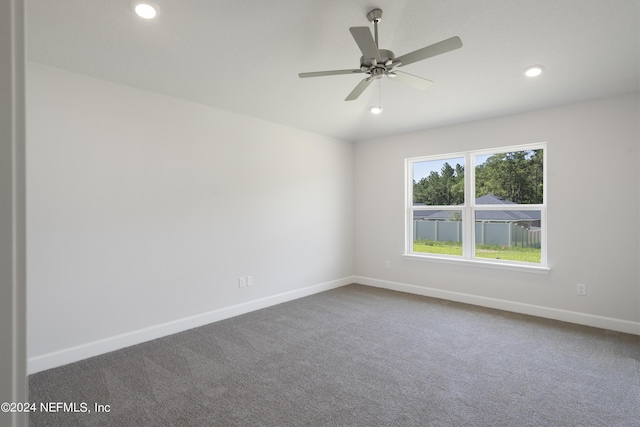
column 444, row 188
column 514, row 176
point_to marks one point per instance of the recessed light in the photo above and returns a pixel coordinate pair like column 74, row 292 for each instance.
column 533, row 71
column 376, row 110
column 145, row 9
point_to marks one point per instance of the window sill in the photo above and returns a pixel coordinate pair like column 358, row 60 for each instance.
column 538, row 269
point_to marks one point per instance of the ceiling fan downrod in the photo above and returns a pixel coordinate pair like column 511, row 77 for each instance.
column 375, row 16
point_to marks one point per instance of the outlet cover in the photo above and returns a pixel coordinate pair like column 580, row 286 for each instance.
column 581, row 289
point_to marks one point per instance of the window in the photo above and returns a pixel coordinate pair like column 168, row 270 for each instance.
column 482, row 206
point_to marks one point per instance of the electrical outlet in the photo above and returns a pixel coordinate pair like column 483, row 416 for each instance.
column 242, row 282
column 249, row 280
column 387, row 265
column 581, row 289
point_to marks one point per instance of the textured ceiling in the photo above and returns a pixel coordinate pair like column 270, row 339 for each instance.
column 245, row 56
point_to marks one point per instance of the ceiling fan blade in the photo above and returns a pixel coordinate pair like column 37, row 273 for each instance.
column 355, row 93
column 427, row 52
column 411, row 80
column 367, row 45
column 329, row 73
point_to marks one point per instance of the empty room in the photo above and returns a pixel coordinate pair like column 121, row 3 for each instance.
column 302, row 213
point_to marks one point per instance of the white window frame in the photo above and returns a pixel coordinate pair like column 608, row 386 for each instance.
column 470, row 208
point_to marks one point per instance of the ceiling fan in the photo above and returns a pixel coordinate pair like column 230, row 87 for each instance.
column 378, row 63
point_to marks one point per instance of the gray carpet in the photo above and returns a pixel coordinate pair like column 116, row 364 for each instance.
column 359, row 356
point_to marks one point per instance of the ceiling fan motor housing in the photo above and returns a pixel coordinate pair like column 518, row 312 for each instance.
column 377, row 69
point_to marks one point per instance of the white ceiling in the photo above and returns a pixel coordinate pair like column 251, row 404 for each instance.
column 245, row 56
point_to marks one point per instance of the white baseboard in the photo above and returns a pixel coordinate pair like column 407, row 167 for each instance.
column 95, row 348
column 610, row 323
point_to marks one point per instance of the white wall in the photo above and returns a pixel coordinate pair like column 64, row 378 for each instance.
column 144, row 209
column 593, row 176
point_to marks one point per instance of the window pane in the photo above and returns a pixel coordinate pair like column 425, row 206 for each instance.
column 437, row 232
column 513, row 177
column 438, row 182
column 508, row 235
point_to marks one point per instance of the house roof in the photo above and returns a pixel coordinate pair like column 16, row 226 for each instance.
column 490, row 199
column 483, row 215
column 245, row 56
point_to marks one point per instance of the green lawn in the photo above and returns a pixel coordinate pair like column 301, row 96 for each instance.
column 482, row 251
column 433, row 247
column 509, row 253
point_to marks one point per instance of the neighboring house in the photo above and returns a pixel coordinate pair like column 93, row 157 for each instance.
column 526, row 219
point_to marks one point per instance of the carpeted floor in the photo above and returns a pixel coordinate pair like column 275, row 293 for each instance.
column 358, row 356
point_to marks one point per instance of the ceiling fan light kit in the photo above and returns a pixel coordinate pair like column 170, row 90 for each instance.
column 378, row 63
column 145, row 9
column 533, row 71
column 377, row 109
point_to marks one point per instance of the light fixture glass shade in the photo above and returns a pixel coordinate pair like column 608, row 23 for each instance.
column 376, row 109
column 146, row 10
column 533, row 71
